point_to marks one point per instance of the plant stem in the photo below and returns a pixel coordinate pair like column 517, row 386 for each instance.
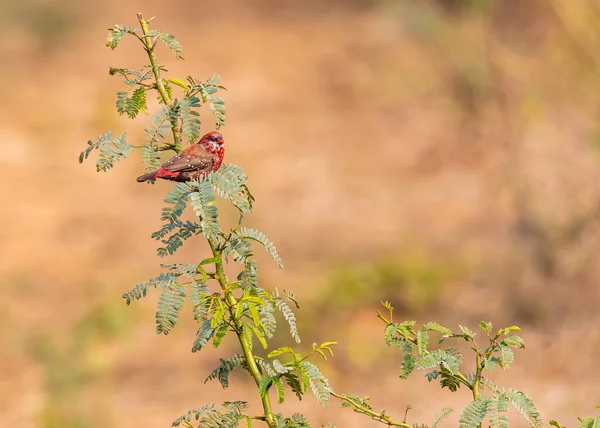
column 246, row 347
column 379, row 417
column 477, row 376
column 149, row 47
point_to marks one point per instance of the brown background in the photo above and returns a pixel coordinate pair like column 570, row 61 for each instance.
column 442, row 155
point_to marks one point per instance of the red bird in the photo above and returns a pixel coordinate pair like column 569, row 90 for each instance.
column 193, row 162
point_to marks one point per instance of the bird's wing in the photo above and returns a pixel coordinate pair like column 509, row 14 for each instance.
column 188, row 161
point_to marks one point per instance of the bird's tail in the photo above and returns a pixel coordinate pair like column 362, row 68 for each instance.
column 147, row 176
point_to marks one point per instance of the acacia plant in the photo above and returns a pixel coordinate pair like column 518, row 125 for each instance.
column 221, row 306
column 241, row 306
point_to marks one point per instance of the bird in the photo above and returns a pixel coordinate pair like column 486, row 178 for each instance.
column 193, row 162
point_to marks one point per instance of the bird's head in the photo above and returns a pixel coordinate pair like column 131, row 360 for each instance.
column 212, row 142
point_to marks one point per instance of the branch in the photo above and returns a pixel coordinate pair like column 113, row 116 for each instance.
column 232, row 303
column 149, row 47
column 379, row 417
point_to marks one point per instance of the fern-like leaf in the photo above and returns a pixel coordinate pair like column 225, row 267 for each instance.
column 440, row 416
column 111, row 150
column 169, row 305
column 249, row 276
column 474, row 413
column 220, row 334
column 525, row 407
column 163, row 281
column 294, row 383
column 161, row 121
column 204, row 334
column 189, row 119
column 225, row 368
column 443, row 358
column 199, row 296
column 217, row 105
column 176, row 201
column 171, row 43
column 255, row 235
column 266, row 368
column 497, row 408
column 229, row 182
column 239, row 250
column 193, row 414
column 268, row 320
column 116, row 34
column 408, row 365
column 318, row 383
column 204, row 205
column 175, row 241
column 289, row 316
column 150, row 157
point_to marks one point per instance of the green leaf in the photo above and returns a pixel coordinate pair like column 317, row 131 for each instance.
column 150, row 157
column 318, row 383
column 433, row 326
column 514, row 341
column 440, row 358
column 294, row 383
column 486, row 327
column 116, row 34
column 204, row 205
column 474, row 413
column 466, row 332
column 199, row 295
column 264, row 385
column 525, row 407
column 204, row 334
column 497, row 408
column 279, row 388
column 229, row 182
column 408, row 365
column 220, row 334
column 268, row 320
column 161, row 282
column 189, row 119
column 259, row 335
column 171, row 43
column 111, row 150
column 289, row 316
column 281, row 351
column 180, row 232
column 506, row 356
column 439, row 417
column 176, row 201
column 161, row 123
column 217, row 105
column 255, row 235
column 178, row 82
column 422, row 340
column 169, row 305
column 280, row 368
column 266, row 368
column 225, row 368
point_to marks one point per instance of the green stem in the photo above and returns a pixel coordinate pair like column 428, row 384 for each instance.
column 246, row 347
column 379, row 417
column 159, row 82
column 477, row 377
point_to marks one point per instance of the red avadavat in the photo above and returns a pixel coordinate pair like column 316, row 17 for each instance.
column 193, row 162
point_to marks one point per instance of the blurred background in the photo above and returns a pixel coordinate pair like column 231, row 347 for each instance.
column 440, row 154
